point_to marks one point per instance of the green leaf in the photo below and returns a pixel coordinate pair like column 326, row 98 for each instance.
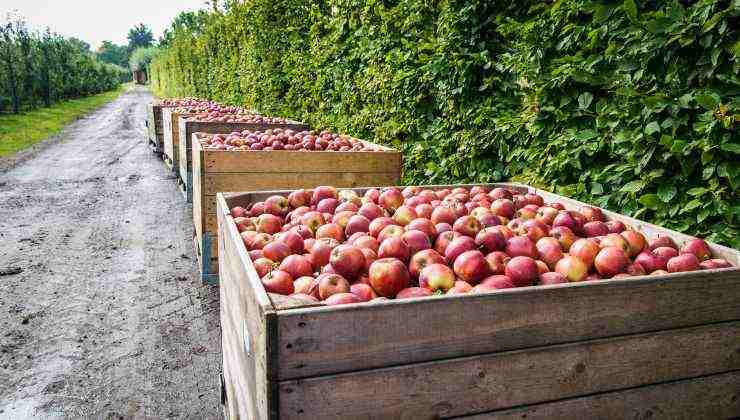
column 707, row 101
column 712, row 22
column 633, row 186
column 584, row 100
column 596, row 188
column 691, row 205
column 630, row 8
column 696, row 191
column 650, row 201
column 651, row 128
column 731, row 147
column 666, row 193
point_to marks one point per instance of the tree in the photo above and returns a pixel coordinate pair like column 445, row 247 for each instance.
column 112, row 53
column 140, row 36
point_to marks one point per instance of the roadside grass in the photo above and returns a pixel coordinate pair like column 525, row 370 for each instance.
column 19, row 131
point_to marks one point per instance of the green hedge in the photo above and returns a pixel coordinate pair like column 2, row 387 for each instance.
column 633, row 107
column 38, row 69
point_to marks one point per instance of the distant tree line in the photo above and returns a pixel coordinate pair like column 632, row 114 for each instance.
column 40, row 68
column 136, row 55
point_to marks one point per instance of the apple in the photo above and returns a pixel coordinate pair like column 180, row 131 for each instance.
column 635, row 240
column 390, row 198
column 595, row 228
column 714, row 264
column 299, row 198
column 238, row 212
column 322, row 192
column 552, row 277
column 572, row 268
column 661, row 240
column 458, row 246
column 388, row 276
column 256, row 254
column 471, row 266
column 615, row 226
column 443, row 214
column 257, row 209
column 330, row 230
column 293, row 240
column 659, row 273
column 565, row 236
column 503, row 207
column 586, row 250
column 297, row 266
column 498, row 281
column 491, row 240
column 566, row 218
column 423, row 225
column 460, row 288
column 377, row 225
column 413, row 292
column 497, row 261
column 276, row 251
column 277, row 205
column 279, row 282
column 521, row 246
column 341, row 218
column 304, row 297
column 343, row 298
column 593, row 214
column 499, row 192
column 371, row 211
column 526, row 212
column 542, row 266
column 443, row 227
column 635, row 269
column 347, row 260
column 366, row 241
column 330, row 284
column 312, row 220
column 357, row 223
column 303, row 231
column 549, row 251
column 320, row 253
column 416, row 241
column 522, row 271
column 546, row 215
column 616, row 240
column 349, row 197
column 666, row 252
column 611, row 261
column 683, row 262
column 305, row 285
column 269, row 223
column 698, row 247
column 422, row 259
column 482, row 288
column 593, row 276
column 424, row 210
column 263, row 266
column 363, row 291
column 258, row 241
column 404, row 215
column 437, row 276
column 391, row 231
column 650, row 261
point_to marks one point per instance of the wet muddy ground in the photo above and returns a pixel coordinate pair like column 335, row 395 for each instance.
column 102, row 314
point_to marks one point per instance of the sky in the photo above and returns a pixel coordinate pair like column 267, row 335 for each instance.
column 94, row 21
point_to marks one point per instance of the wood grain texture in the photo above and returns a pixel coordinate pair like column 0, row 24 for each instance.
column 247, row 317
column 282, row 302
column 259, row 181
column 277, row 161
column 170, row 123
column 488, row 382
column 709, row 397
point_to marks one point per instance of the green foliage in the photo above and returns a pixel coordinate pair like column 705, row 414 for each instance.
column 112, row 53
column 141, row 58
column 42, row 68
column 140, row 36
column 629, row 105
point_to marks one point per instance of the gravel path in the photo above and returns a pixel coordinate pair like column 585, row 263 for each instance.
column 107, row 317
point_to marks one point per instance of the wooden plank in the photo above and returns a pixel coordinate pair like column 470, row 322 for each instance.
column 277, row 161
column 501, row 380
column 454, row 326
column 199, row 200
column 282, row 302
column 170, row 121
column 257, row 181
column 708, row 397
column 250, row 318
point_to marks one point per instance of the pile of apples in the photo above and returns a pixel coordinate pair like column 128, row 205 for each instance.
column 286, row 139
column 211, row 109
column 186, row 102
column 239, row 116
column 337, row 247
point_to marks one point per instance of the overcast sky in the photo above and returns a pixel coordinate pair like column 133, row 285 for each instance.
column 94, row 21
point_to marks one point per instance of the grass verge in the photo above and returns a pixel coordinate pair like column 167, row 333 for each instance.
column 19, row 131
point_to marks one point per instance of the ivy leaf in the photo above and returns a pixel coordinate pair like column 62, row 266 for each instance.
column 584, row 100
column 666, row 193
column 650, row 201
column 633, row 186
column 691, row 205
column 707, row 101
column 630, row 8
column 696, row 191
column 651, row 128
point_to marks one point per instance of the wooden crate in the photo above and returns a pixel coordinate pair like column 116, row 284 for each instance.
column 154, row 127
column 171, row 138
column 662, row 346
column 217, row 171
column 188, row 128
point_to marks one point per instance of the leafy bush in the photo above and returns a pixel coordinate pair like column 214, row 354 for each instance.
column 633, row 108
column 141, row 58
column 42, row 68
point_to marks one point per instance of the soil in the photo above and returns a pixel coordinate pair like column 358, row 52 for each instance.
column 102, row 312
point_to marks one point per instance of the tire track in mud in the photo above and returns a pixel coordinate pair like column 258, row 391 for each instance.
column 107, row 318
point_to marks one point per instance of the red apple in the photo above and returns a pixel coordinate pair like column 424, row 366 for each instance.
column 650, row 261
column 482, row 288
column 503, row 207
column 343, row 298
column 635, row 240
column 305, row 285
column 436, row 277
column 499, row 192
column 323, row 192
column 371, row 196
column 404, row 215
column 263, row 266
column 521, row 246
column 278, row 282
column 490, row 240
column 661, row 240
column 424, row 210
column 635, row 269
column 615, row 240
column 458, row 246
column 443, row 214
column 347, row 260
column 330, row 284
column 593, row 214
column 611, row 261
column 276, row 251
column 423, row 225
column 366, row 241
column 416, row 241
column 293, row 240
column 497, row 261
column 394, row 247
column 312, row 220
column 341, row 218
column 565, row 236
column 552, row 277
column 277, row 205
column 572, row 268
column 377, row 225
column 297, row 266
column 321, row 252
column 388, row 276
column 697, row 247
column 256, row 254
column 471, row 266
column 299, row 198
column 595, row 228
column 391, row 231
column 546, row 215
column 356, row 223
column 413, row 292
column 498, row 281
column 549, row 251
column 238, row 212
column 460, row 288
column 390, row 198
column 714, row 264
column 269, row 223
column 522, row 271
column 371, row 211
column 586, row 250
column 683, row 262
column 666, row 252
column 363, row 291
column 330, row 230
column 615, row 226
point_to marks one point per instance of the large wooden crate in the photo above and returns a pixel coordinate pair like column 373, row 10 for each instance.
column 171, row 138
column 651, row 346
column 187, row 128
column 155, row 132
column 217, row 171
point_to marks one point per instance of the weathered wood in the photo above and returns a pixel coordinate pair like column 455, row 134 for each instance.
column 709, row 397
column 281, row 302
column 501, row 380
column 227, row 182
column 171, row 137
column 247, row 327
column 270, row 161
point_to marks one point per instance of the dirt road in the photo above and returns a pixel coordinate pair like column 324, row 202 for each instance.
column 107, row 318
